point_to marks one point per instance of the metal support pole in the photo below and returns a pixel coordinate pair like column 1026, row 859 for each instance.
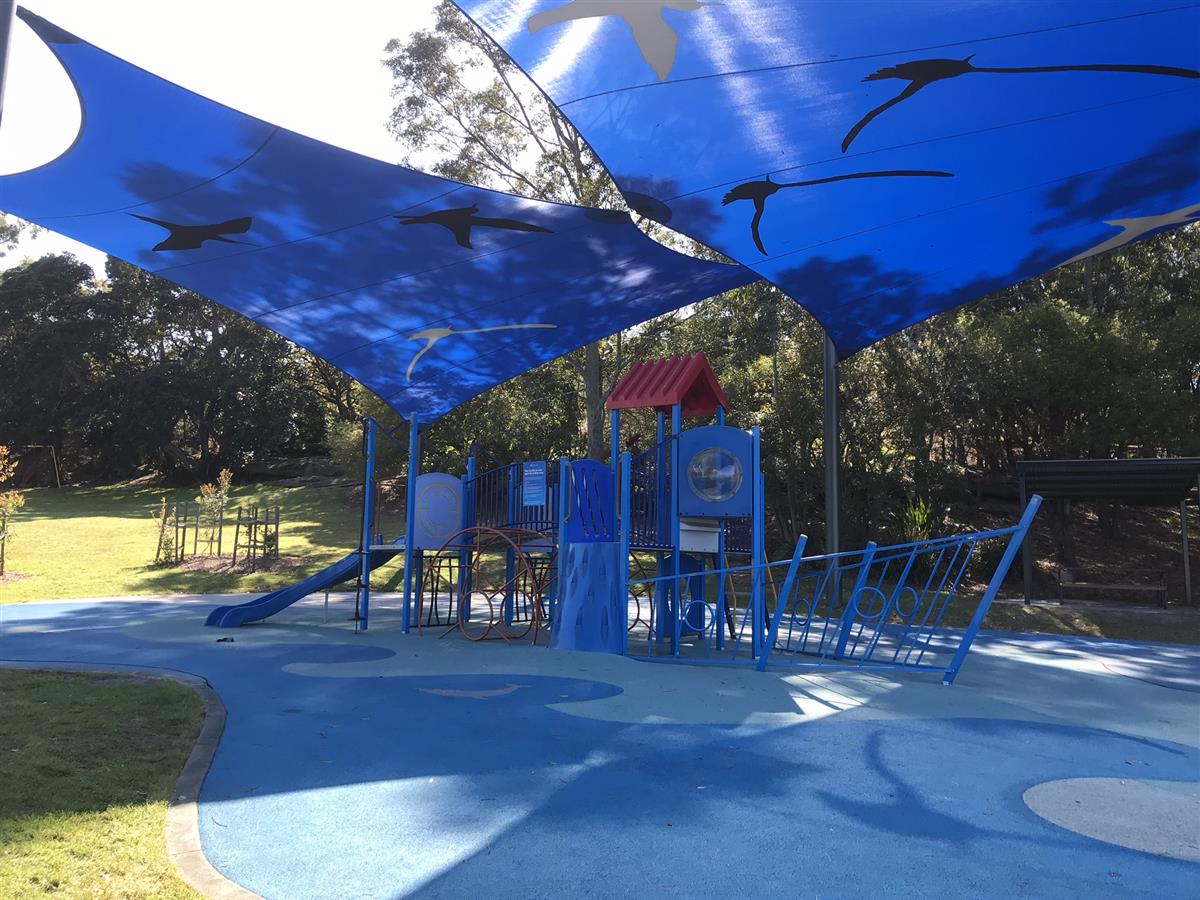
column 1026, row 547
column 564, row 513
column 758, row 549
column 368, row 519
column 1187, row 562
column 615, row 450
column 8, row 9
column 626, row 469
column 832, row 451
column 675, row 596
column 410, row 515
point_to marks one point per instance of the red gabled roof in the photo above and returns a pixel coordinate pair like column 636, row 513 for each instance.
column 661, row 383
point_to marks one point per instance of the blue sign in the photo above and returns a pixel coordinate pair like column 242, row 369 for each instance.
column 533, row 483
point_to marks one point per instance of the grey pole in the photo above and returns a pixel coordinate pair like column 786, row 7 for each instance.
column 1187, row 562
column 1026, row 544
column 833, row 452
column 8, row 9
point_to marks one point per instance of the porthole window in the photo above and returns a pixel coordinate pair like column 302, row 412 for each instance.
column 714, row 474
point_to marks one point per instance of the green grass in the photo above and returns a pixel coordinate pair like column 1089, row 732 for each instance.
column 99, row 542
column 87, row 763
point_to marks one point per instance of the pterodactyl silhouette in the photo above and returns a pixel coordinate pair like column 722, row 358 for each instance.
column 759, row 191
column 655, row 38
column 192, row 237
column 924, row 72
column 432, row 335
column 460, row 221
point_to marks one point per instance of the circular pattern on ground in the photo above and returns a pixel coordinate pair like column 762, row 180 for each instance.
column 1158, row 817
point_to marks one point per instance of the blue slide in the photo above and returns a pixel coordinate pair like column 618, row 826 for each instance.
column 269, row 604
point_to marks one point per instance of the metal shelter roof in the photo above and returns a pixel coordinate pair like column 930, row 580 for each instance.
column 1133, row 482
column 661, row 383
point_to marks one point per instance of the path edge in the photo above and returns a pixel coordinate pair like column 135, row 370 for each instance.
column 182, row 830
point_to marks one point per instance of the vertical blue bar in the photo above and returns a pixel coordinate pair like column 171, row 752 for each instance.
column 661, row 589
column 758, row 547
column 368, row 521
column 614, row 453
column 676, row 592
column 410, row 514
column 564, row 512
column 993, row 588
column 781, row 604
column 510, row 560
column 468, row 520
column 623, row 579
column 864, row 572
column 721, row 564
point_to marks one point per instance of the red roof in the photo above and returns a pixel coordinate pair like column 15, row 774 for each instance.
column 661, row 383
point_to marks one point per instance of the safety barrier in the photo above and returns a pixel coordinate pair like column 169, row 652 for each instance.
column 876, row 608
column 502, row 498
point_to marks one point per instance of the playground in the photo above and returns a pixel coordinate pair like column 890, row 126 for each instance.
column 380, row 764
column 608, row 666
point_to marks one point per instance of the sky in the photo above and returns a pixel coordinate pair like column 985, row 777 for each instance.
column 314, row 67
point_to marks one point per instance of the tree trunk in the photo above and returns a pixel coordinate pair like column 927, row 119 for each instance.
column 594, row 403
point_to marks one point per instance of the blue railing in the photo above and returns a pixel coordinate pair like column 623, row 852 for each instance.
column 498, row 499
column 881, row 607
column 650, row 498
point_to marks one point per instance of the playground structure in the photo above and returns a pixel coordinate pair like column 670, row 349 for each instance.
column 659, row 555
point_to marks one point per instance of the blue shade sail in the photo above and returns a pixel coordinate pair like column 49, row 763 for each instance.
column 425, row 290
column 881, row 161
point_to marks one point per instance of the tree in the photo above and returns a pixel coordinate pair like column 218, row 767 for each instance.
column 10, row 502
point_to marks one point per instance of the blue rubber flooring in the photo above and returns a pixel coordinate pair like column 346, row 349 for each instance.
column 470, row 785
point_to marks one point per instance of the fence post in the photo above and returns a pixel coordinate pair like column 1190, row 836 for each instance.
column 564, row 513
column 781, row 602
column 993, row 588
column 368, row 515
column 410, row 515
column 623, row 578
column 852, row 604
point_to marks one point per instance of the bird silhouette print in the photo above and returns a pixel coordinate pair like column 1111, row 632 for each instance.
column 1139, row 226
column 923, row 72
column 192, row 237
column 432, row 335
column 759, row 191
column 460, row 221
column 656, row 39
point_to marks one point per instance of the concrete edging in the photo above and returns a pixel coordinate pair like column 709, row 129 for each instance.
column 182, row 829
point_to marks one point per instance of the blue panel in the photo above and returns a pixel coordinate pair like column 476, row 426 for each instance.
column 438, row 510
column 717, row 474
column 591, row 517
column 426, row 290
column 590, row 612
column 881, row 161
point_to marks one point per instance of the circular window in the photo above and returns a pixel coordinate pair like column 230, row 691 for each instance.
column 714, row 475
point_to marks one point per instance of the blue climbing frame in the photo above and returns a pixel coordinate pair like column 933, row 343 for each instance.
column 691, row 506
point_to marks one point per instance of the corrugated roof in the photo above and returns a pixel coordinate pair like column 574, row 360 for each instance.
column 1135, row 482
column 661, row 383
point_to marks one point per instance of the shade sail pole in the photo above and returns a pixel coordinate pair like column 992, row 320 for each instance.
column 8, row 9
column 832, row 452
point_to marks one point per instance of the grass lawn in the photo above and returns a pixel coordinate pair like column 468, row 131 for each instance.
column 99, row 542
column 87, row 763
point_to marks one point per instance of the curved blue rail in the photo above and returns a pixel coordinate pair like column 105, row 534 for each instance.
column 268, row 604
